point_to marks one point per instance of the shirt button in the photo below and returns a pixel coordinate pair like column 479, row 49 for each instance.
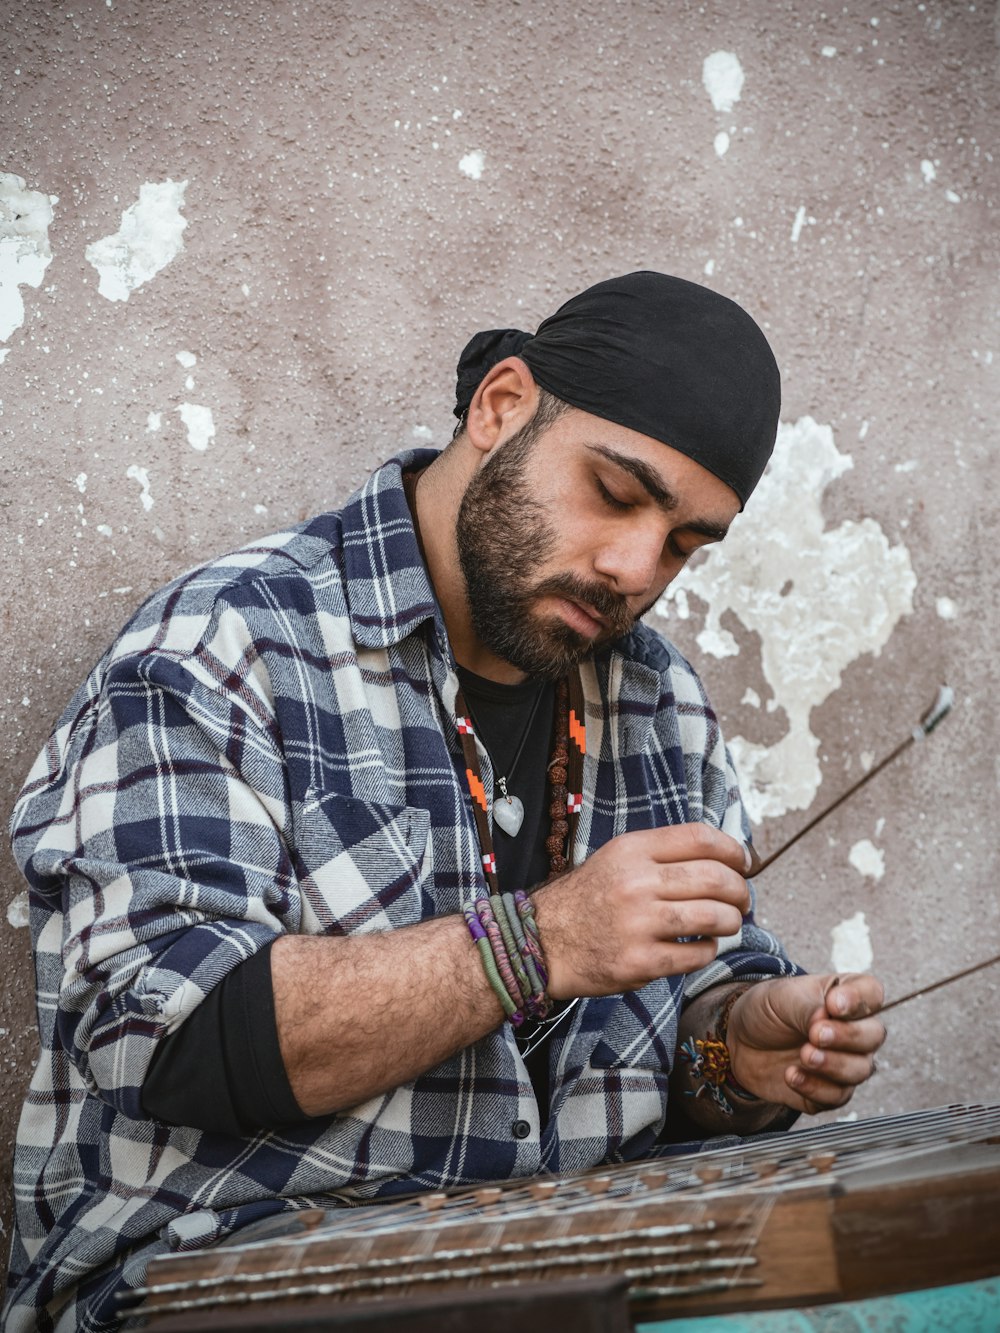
column 520, row 1129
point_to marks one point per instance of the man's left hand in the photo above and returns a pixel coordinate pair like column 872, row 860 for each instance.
column 806, row 1042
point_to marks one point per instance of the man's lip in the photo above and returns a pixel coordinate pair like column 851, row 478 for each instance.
column 597, row 622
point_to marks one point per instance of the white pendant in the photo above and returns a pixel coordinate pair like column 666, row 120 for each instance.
column 508, row 812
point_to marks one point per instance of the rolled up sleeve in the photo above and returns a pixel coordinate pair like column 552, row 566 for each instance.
column 154, row 833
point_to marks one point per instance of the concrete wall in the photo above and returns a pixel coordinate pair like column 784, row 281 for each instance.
column 252, row 239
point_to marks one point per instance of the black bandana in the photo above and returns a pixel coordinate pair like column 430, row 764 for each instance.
column 664, row 357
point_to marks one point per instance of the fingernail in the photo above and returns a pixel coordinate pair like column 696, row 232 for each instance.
column 825, row 1035
column 816, row 1058
column 747, row 858
column 796, row 1078
column 838, row 1002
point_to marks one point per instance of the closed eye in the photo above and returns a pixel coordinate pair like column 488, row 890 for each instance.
column 612, row 501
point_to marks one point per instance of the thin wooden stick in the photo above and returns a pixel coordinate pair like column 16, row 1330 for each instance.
column 936, row 985
column 937, row 712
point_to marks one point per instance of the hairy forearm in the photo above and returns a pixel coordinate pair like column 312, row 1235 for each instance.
column 360, row 1015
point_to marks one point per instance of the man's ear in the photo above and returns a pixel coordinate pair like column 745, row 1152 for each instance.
column 505, row 401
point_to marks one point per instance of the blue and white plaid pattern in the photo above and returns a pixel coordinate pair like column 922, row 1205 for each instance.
column 269, row 747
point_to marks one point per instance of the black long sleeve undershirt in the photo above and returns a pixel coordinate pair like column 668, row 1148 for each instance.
column 222, row 1069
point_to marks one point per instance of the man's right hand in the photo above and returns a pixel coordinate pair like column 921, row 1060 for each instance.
column 627, row 915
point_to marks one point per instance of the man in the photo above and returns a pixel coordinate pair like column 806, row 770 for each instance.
column 260, row 842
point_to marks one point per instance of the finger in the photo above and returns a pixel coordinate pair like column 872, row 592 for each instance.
column 815, row 1094
column 855, row 996
column 666, row 960
column 687, row 880
column 863, row 1035
column 694, row 842
column 843, row 1068
column 701, row 917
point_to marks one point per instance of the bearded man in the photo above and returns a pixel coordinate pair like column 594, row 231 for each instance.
column 395, row 853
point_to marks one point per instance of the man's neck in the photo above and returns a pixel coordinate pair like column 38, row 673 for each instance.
column 435, row 495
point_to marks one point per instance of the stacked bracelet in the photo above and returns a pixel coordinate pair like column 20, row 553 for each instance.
column 505, row 932
column 709, row 1060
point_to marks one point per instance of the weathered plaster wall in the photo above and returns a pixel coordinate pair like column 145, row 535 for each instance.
column 323, row 201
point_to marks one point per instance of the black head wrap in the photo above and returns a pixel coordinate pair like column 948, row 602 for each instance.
column 664, row 357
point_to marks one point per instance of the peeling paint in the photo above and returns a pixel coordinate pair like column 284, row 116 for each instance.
column 199, row 423
column 187, row 359
column 721, row 143
column 25, row 253
column 18, row 912
column 946, row 608
column 867, row 859
column 852, row 945
column 139, row 474
column 722, row 75
column 154, row 421
column 149, row 238
column 818, row 599
column 472, row 165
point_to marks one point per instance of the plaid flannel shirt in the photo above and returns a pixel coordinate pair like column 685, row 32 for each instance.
column 270, row 746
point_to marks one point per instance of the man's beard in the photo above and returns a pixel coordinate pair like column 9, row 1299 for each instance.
column 503, row 535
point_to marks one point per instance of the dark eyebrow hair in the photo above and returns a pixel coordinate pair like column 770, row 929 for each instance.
column 649, row 479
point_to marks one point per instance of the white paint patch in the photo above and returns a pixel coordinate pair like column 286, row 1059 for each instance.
column 722, row 75
column 867, row 859
column 867, row 759
column 910, row 465
column 150, row 236
column 750, row 697
column 798, row 224
column 423, row 433
column 681, row 605
column 946, row 608
column 952, row 197
column 852, row 945
column 718, row 642
column 199, row 423
column 187, row 359
column 25, row 253
column 104, row 530
column 80, row 482
column 18, row 913
column 139, row 474
column 818, row 599
column 472, row 165
column 721, row 144
column 928, row 170
column 154, row 421
column 709, row 267
column 828, row 51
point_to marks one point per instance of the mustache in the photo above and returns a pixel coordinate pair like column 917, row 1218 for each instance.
column 611, row 605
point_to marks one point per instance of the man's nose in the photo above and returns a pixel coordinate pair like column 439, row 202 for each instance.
column 634, row 564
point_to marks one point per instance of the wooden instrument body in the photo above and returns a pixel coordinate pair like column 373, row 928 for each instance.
column 838, row 1212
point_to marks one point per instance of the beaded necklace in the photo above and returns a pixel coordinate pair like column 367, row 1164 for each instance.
column 565, row 774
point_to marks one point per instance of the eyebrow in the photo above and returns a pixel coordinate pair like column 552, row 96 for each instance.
column 649, row 479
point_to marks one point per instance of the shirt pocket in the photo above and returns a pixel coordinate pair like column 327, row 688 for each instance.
column 363, row 867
